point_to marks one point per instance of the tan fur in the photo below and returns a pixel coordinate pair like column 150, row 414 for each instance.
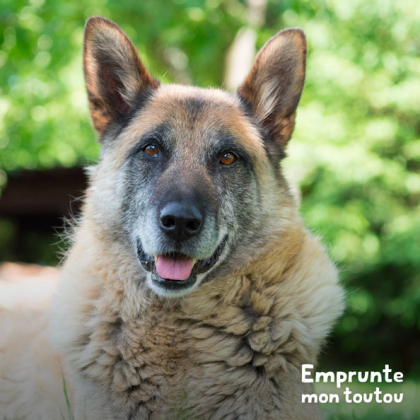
column 230, row 349
column 30, row 371
column 222, row 111
column 274, row 101
column 100, row 31
column 199, row 354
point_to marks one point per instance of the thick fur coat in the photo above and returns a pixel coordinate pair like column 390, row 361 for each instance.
column 230, row 348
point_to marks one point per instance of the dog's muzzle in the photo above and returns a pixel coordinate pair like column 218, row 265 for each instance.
column 149, row 263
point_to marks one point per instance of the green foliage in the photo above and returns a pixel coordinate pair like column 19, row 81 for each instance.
column 355, row 152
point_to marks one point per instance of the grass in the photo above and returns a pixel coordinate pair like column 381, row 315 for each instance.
column 70, row 415
column 408, row 409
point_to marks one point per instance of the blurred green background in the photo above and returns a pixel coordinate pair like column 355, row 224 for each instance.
column 355, row 152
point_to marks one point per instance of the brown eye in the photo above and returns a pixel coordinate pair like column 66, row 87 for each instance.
column 151, row 150
column 228, row 158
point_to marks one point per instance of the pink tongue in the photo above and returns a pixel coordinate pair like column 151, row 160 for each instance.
column 174, row 268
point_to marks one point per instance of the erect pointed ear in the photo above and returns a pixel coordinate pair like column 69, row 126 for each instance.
column 275, row 82
column 115, row 77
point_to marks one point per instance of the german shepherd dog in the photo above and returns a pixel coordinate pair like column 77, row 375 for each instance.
column 192, row 289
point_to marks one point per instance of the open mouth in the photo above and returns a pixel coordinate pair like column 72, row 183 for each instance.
column 176, row 271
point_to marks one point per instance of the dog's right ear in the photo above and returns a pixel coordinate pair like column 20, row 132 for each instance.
column 115, row 77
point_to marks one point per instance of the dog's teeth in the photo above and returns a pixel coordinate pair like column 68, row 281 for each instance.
column 156, row 258
column 194, row 261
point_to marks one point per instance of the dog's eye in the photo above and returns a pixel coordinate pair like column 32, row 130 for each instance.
column 228, row 158
column 151, row 150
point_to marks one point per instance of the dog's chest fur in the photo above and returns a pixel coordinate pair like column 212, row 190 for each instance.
column 228, row 349
column 185, row 359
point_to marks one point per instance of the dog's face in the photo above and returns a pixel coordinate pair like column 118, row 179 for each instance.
column 184, row 168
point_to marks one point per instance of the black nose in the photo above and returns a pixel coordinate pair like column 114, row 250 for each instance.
column 180, row 221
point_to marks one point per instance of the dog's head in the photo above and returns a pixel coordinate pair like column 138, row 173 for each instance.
column 187, row 175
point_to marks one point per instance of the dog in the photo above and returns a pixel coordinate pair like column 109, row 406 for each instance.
column 192, row 289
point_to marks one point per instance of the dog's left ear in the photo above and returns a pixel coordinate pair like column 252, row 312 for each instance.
column 115, row 77
column 274, row 84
